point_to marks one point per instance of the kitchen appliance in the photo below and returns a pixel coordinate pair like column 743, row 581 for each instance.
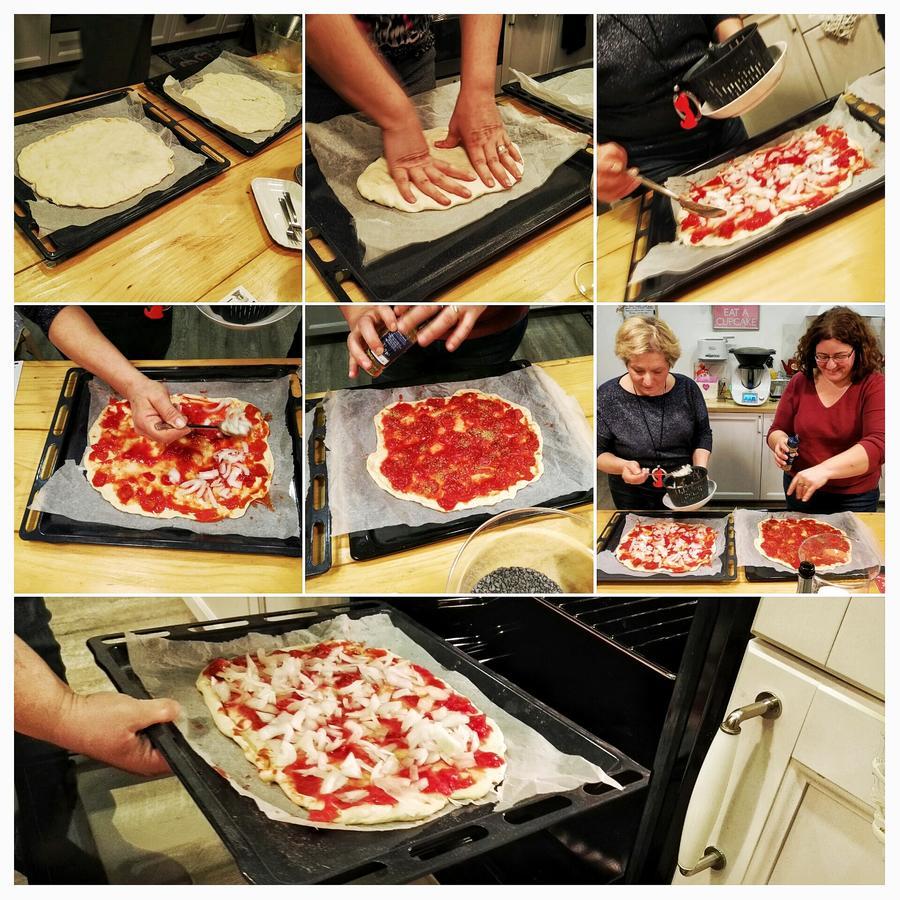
column 751, row 382
column 711, row 365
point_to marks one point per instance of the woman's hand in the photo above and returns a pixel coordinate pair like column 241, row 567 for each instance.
column 614, row 179
column 150, row 405
column 477, row 126
column 632, row 473
column 457, row 322
column 779, row 447
column 410, row 163
column 364, row 327
column 804, row 484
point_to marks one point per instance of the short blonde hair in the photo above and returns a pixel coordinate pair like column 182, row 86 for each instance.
column 645, row 334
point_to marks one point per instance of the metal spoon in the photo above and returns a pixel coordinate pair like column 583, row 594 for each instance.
column 709, row 212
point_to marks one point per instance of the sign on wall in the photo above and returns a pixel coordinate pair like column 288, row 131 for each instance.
column 735, row 317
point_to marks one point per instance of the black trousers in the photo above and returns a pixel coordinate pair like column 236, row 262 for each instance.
column 115, row 51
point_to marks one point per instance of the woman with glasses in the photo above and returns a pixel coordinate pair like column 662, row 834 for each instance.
column 835, row 406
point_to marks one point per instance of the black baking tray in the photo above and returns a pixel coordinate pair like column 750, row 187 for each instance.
column 612, row 533
column 269, row 852
column 67, row 439
column 318, row 517
column 656, row 222
column 378, row 542
column 578, row 122
column 243, row 144
column 420, row 270
column 66, row 242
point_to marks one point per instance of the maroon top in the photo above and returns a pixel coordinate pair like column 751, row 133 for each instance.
column 857, row 418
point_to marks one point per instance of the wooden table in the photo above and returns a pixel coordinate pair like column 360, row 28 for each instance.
column 873, row 521
column 43, row 568
column 541, row 269
column 424, row 570
column 840, row 260
column 196, row 248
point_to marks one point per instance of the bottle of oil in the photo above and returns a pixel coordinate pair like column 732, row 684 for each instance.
column 394, row 344
column 793, row 451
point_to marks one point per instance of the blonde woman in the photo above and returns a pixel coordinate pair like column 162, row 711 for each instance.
column 649, row 420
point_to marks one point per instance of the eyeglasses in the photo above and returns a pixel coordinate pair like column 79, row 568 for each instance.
column 837, row 357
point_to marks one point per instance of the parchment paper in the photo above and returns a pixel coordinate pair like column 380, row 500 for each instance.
column 607, row 562
column 864, row 549
column 68, row 493
column 573, row 91
column 345, row 145
column 357, row 503
column 231, row 64
column 677, row 257
column 170, row 669
column 49, row 216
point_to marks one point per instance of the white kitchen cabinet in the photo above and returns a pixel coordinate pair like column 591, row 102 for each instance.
column 181, row 30
column 31, row 40
column 531, row 44
column 771, row 478
column 207, row 608
column 736, row 454
column 807, row 626
column 838, row 63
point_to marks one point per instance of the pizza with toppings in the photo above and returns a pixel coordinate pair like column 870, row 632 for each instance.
column 779, row 540
column 762, row 189
column 205, row 475
column 668, row 547
column 354, row 734
column 449, row 453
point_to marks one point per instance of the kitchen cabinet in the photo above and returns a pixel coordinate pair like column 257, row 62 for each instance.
column 531, row 44
column 30, row 40
column 771, row 478
column 736, row 457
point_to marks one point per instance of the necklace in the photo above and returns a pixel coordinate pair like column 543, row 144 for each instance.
column 685, row 103
column 657, row 472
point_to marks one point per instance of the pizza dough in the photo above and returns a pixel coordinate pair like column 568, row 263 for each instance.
column 205, row 475
column 376, row 183
column 354, row 734
column 96, row 163
column 459, row 452
column 779, row 538
column 763, row 189
column 237, row 102
column 667, row 546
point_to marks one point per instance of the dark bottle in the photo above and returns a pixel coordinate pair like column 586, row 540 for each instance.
column 805, row 576
column 395, row 343
column 793, row 451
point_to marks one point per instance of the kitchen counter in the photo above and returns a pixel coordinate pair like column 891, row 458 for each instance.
column 44, row 568
column 729, row 406
column 839, row 260
column 424, row 570
column 197, row 248
column 540, row 269
column 873, row 521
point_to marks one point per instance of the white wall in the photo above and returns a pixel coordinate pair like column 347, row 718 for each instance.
column 780, row 326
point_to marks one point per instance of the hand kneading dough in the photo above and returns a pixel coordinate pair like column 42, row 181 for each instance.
column 238, row 102
column 96, row 163
column 376, row 182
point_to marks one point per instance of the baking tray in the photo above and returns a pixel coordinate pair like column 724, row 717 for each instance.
column 656, row 222
column 270, row 852
column 318, row 514
column 67, row 439
column 578, row 122
column 66, row 242
column 416, row 272
column 245, row 145
column 770, row 573
column 377, row 542
column 612, row 533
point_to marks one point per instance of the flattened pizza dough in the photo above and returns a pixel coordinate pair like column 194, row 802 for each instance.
column 667, row 546
column 237, row 102
column 779, row 538
column 354, row 734
column 376, row 183
column 470, row 454
column 96, row 163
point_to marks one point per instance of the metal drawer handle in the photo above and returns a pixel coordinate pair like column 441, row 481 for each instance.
column 694, row 855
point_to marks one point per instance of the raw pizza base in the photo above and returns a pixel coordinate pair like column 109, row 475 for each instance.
column 375, row 459
column 414, row 807
column 97, row 163
column 237, row 102
column 108, row 490
column 758, row 542
column 376, row 184
column 635, row 567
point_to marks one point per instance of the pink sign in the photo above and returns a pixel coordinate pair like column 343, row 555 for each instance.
column 729, row 317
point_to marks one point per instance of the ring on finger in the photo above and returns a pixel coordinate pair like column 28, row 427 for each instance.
column 455, row 309
column 502, row 148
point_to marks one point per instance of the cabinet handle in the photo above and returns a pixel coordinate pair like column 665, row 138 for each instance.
column 694, row 854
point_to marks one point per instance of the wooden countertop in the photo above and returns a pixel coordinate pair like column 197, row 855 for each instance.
column 43, row 568
column 424, row 570
column 197, row 248
column 839, row 260
column 873, row 521
column 541, row 269
column 729, row 406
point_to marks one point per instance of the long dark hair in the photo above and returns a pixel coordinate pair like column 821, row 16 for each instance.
column 841, row 324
